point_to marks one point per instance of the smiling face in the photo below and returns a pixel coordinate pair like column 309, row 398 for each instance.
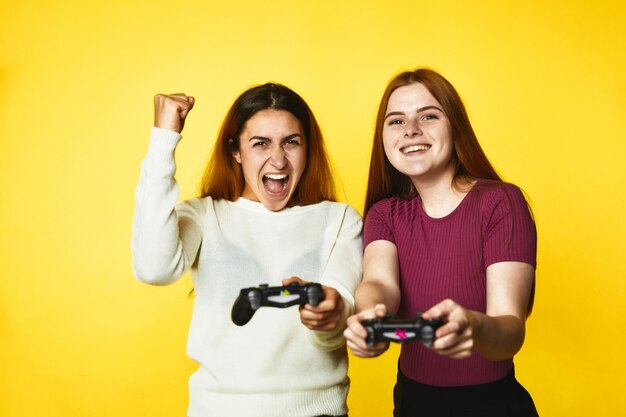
column 417, row 135
column 272, row 154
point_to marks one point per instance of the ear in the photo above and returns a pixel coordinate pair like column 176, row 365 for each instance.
column 237, row 156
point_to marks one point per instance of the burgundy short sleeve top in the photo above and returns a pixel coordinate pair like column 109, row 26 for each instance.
column 448, row 257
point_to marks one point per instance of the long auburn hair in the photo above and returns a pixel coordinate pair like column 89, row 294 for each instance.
column 223, row 176
column 469, row 159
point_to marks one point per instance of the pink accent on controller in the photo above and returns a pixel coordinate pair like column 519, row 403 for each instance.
column 401, row 333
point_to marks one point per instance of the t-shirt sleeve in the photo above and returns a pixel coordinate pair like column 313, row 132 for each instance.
column 509, row 229
column 378, row 224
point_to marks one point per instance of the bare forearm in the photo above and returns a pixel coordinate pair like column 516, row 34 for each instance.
column 497, row 338
column 501, row 332
column 371, row 293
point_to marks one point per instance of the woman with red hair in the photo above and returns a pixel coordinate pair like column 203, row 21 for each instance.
column 266, row 214
column 444, row 235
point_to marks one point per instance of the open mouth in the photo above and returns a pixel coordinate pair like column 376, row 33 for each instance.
column 415, row 148
column 275, row 183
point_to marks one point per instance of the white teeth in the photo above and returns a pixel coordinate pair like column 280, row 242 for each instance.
column 415, row 148
column 276, row 176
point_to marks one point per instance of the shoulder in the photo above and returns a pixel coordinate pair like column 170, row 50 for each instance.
column 198, row 202
column 394, row 212
column 395, row 207
column 202, row 205
column 336, row 209
column 494, row 193
column 498, row 200
column 385, row 205
column 387, row 218
column 492, row 187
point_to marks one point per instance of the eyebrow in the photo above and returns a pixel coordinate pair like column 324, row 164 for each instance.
column 293, row 135
column 421, row 109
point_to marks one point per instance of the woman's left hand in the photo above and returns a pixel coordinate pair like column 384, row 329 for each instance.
column 327, row 314
column 456, row 338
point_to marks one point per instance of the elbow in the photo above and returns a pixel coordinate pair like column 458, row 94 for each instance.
column 151, row 274
column 505, row 342
column 329, row 340
column 501, row 354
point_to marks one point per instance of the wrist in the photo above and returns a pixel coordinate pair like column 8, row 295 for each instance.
column 477, row 322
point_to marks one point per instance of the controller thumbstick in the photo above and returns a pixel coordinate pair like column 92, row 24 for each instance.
column 313, row 294
column 428, row 335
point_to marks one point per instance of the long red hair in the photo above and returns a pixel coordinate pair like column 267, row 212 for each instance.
column 469, row 159
column 223, row 176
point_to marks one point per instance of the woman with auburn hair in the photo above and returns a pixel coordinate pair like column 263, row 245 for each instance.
column 266, row 215
column 223, row 176
column 444, row 235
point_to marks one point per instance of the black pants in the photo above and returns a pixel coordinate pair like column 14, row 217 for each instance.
column 504, row 398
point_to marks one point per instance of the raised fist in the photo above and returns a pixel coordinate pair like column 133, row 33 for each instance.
column 170, row 110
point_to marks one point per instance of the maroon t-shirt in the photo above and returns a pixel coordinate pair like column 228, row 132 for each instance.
column 448, row 258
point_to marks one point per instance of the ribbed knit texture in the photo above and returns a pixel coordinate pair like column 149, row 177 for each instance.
column 447, row 258
column 273, row 366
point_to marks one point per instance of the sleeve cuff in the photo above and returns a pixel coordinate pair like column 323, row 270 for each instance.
column 163, row 140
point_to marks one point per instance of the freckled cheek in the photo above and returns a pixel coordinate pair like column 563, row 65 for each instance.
column 388, row 148
column 386, row 137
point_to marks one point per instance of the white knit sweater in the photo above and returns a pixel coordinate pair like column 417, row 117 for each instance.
column 272, row 366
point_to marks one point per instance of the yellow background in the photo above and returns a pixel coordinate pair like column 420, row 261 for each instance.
column 545, row 85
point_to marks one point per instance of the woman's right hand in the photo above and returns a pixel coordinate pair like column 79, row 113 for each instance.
column 170, row 111
column 356, row 334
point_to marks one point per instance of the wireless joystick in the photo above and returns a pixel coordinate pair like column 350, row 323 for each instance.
column 251, row 299
column 401, row 330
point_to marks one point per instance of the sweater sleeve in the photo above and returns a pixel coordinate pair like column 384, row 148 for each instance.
column 165, row 238
column 343, row 272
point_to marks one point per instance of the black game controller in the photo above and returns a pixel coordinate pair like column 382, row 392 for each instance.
column 401, row 330
column 251, row 299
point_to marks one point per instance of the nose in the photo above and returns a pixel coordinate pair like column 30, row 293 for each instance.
column 278, row 158
column 412, row 129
